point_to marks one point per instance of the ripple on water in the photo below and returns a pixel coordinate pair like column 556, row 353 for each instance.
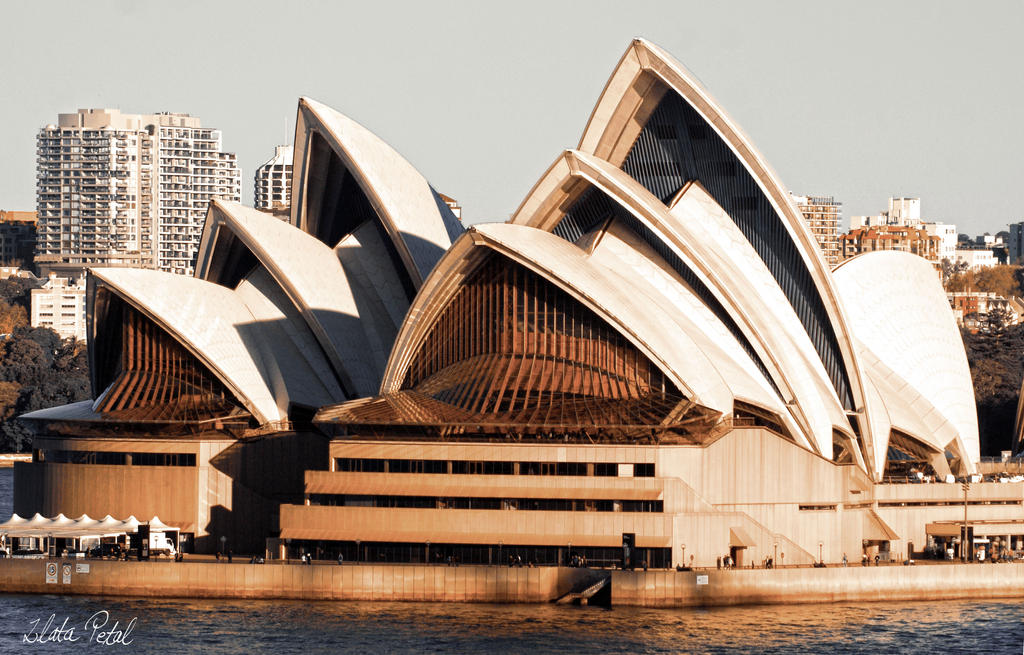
column 286, row 627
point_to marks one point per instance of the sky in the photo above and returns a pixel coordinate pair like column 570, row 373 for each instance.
column 859, row 100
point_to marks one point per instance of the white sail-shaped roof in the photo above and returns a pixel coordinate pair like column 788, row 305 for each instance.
column 897, row 308
column 655, row 122
column 312, row 276
column 209, row 320
column 698, row 235
column 411, row 212
column 684, row 344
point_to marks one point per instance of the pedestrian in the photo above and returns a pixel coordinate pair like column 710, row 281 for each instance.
column 844, row 559
column 230, row 553
column 218, row 555
column 864, row 559
column 341, row 559
column 877, row 558
column 718, row 562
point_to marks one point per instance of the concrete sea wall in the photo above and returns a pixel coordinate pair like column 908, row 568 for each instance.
column 483, row 584
column 810, row 585
column 493, row 584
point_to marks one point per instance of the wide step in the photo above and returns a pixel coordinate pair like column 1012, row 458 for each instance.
column 595, row 593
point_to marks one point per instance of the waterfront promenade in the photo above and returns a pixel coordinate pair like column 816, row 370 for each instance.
column 496, row 584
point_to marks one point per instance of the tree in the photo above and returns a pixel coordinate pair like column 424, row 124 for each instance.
column 9, row 394
column 996, row 320
column 17, row 291
column 996, row 359
column 960, row 278
column 37, row 370
column 11, row 317
column 1000, row 280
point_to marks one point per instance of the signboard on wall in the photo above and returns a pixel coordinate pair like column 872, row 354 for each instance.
column 81, row 568
column 51, row 573
column 66, row 573
column 702, row 579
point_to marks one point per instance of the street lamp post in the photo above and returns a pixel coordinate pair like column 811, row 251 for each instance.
column 963, row 545
column 776, row 556
column 684, row 554
column 820, row 560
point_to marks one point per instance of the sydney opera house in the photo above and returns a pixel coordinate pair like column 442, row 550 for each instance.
column 652, row 351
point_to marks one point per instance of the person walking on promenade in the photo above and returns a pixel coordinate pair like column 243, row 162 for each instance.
column 844, row 559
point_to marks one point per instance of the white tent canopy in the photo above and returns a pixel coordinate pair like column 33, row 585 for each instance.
column 84, row 526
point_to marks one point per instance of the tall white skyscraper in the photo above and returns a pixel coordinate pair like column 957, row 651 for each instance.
column 119, row 189
column 273, row 183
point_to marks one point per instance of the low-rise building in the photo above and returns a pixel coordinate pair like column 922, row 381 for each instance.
column 60, row 306
column 17, row 237
column 971, row 307
column 976, row 258
column 948, row 235
column 904, row 212
column 914, row 240
column 7, row 272
column 453, row 205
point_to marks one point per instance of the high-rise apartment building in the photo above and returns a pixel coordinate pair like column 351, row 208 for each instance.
column 273, row 183
column 119, row 189
column 822, row 215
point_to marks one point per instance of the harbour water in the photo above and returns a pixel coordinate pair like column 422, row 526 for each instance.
column 293, row 627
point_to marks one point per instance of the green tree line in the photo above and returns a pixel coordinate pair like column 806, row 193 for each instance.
column 37, row 368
